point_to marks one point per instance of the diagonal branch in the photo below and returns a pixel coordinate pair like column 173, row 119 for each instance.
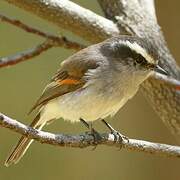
column 52, row 41
column 71, row 16
column 85, row 140
column 56, row 40
column 149, row 7
column 28, row 54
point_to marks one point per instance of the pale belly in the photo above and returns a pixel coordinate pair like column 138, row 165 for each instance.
column 89, row 105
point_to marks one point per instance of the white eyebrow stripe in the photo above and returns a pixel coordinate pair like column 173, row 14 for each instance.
column 136, row 47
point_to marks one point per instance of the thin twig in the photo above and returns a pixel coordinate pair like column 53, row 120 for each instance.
column 56, row 40
column 71, row 16
column 52, row 41
column 23, row 56
column 85, row 140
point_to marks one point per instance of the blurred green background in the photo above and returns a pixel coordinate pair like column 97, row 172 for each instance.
column 21, row 85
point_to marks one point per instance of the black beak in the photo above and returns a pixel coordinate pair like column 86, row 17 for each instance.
column 160, row 70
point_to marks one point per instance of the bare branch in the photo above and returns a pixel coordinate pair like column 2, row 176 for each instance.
column 56, row 40
column 23, row 56
column 51, row 41
column 85, row 140
column 30, row 53
column 149, row 7
column 71, row 16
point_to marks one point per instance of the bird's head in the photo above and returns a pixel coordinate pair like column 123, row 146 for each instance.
column 135, row 54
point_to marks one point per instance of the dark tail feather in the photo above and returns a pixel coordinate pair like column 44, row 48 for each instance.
column 22, row 145
column 19, row 151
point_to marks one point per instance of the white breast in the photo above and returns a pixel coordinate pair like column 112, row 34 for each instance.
column 90, row 103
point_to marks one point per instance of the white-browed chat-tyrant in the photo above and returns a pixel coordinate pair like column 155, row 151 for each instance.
column 93, row 83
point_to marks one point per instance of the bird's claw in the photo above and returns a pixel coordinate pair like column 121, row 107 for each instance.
column 118, row 137
column 92, row 132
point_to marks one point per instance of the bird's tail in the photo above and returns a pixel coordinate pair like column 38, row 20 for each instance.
column 22, row 145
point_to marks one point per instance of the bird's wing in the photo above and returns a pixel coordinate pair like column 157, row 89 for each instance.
column 70, row 77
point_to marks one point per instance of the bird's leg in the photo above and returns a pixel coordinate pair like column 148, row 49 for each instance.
column 85, row 123
column 93, row 132
column 118, row 136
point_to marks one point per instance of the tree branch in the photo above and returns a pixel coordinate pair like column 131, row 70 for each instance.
column 149, row 7
column 52, row 41
column 23, row 56
column 69, row 15
column 85, row 140
column 56, row 40
column 30, row 53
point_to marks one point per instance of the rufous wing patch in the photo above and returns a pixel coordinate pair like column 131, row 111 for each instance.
column 178, row 87
column 68, row 82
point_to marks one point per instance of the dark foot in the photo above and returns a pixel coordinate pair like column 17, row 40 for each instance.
column 92, row 132
column 118, row 136
column 85, row 123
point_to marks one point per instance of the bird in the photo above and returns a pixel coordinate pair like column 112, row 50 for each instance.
column 93, row 83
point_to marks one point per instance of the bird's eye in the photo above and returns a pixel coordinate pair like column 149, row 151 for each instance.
column 140, row 59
